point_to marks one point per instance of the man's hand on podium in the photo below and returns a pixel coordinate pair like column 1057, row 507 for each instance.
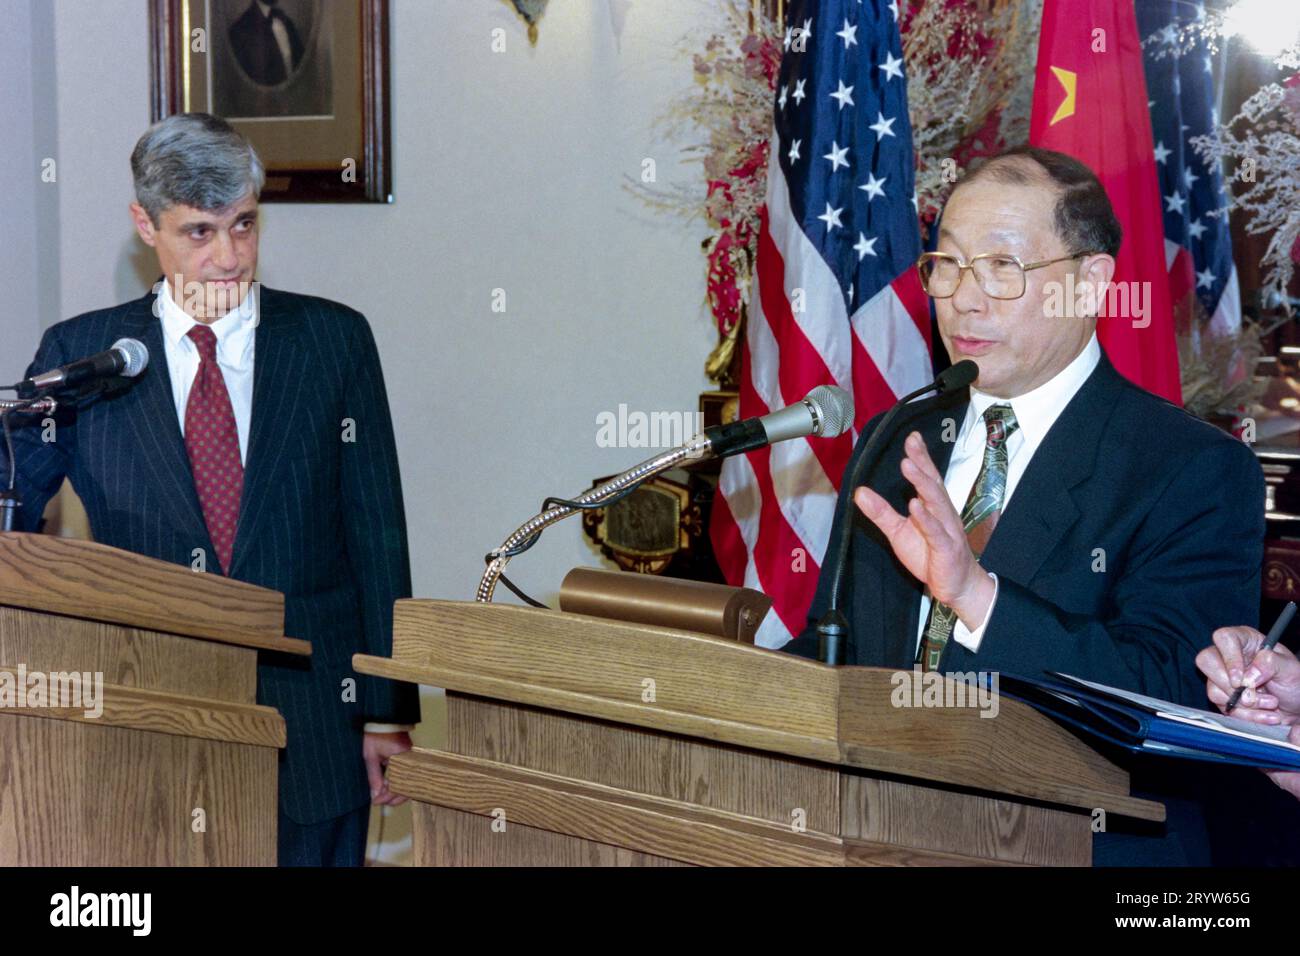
column 376, row 750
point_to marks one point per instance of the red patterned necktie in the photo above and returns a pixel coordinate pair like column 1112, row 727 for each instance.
column 212, row 441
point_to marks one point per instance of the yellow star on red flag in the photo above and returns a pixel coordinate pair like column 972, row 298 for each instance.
column 1070, row 81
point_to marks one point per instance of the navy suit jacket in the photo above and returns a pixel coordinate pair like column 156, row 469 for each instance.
column 1172, row 509
column 321, row 519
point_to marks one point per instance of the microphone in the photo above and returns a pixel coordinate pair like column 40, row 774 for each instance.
column 824, row 412
column 833, row 628
column 127, row 357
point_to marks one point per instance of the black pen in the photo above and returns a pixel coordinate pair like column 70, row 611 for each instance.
column 1270, row 642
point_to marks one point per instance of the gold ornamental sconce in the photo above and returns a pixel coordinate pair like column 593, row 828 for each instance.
column 530, row 11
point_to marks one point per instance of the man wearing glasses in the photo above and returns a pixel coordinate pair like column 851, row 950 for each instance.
column 1127, row 531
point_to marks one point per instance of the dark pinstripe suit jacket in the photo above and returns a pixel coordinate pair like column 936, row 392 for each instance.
column 321, row 518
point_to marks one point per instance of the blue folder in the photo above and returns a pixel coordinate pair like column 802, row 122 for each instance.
column 1148, row 725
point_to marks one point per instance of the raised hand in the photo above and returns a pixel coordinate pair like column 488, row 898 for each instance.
column 929, row 540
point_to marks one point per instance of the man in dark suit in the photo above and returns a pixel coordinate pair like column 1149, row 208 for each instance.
column 256, row 444
column 1054, row 516
column 266, row 43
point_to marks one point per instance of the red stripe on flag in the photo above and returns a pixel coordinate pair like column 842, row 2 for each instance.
column 871, row 393
column 801, row 368
column 728, row 545
column 775, row 550
column 1182, row 275
column 729, row 548
column 908, row 289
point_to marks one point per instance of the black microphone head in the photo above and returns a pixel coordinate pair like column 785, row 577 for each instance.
column 958, row 376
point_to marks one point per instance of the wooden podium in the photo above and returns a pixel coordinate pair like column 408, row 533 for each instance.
column 178, row 767
column 574, row 740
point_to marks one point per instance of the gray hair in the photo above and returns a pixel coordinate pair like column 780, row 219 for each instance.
column 194, row 159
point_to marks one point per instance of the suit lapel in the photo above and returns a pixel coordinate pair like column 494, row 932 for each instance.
column 156, row 429
column 279, row 366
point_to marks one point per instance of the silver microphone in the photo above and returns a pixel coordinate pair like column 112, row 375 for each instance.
column 824, row 412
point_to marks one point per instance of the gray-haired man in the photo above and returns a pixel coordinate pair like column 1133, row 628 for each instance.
column 258, row 440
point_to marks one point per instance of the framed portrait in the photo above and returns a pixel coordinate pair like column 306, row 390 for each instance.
column 305, row 80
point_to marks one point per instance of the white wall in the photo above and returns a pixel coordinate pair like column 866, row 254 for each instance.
column 17, row 203
column 29, row 267
column 508, row 171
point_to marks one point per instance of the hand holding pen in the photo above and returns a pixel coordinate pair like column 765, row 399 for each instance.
column 1264, row 675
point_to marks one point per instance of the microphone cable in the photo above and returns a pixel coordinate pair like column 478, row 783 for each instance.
column 529, row 542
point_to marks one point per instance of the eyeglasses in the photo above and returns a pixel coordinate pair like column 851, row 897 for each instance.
column 1001, row 276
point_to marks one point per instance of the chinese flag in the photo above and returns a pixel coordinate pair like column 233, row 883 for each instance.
column 1090, row 100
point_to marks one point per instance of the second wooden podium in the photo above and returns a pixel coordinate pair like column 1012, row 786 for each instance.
column 166, row 758
column 574, row 740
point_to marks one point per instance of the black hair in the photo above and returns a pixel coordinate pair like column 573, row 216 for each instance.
column 1083, row 218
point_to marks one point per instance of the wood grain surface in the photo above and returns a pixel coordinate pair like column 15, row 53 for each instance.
column 85, row 579
column 605, row 743
column 72, row 794
column 165, row 713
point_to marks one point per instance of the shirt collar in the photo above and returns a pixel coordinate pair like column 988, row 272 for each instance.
column 1036, row 411
column 232, row 329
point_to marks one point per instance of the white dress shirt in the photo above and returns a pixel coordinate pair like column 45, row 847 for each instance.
column 1035, row 412
column 236, row 341
column 236, row 333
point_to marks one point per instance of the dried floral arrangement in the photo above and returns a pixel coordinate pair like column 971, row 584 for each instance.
column 1262, row 143
column 970, row 69
column 1263, row 137
column 1207, row 29
column 1218, row 371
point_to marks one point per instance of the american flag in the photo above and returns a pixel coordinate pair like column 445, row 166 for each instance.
column 1198, row 247
column 836, row 299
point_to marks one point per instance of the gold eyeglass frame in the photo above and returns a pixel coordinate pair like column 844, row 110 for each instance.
column 963, row 266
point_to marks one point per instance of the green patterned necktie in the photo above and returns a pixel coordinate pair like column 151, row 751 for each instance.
column 979, row 518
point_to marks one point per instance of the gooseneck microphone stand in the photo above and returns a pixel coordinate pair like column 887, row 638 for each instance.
column 527, row 534
column 10, row 500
